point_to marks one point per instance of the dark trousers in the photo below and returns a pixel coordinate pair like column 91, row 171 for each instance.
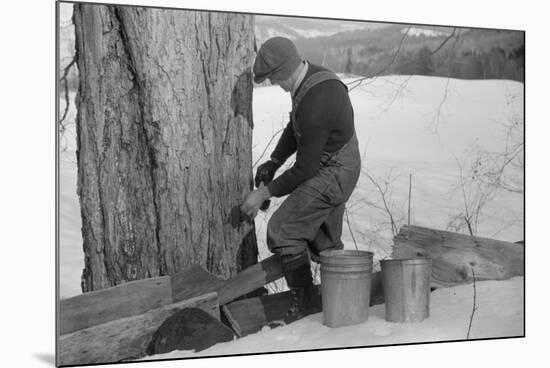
column 310, row 219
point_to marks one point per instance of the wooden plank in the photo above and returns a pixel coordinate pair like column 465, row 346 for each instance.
column 454, row 255
column 193, row 281
column 251, row 315
column 250, row 279
column 196, row 281
column 125, row 300
column 125, row 338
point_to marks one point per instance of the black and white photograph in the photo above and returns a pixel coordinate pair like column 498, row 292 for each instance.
column 240, row 183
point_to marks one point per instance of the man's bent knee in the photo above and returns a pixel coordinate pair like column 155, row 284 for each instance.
column 278, row 243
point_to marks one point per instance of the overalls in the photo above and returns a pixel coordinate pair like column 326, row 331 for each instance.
column 312, row 215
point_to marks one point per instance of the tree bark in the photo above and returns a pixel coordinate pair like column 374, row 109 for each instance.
column 164, row 132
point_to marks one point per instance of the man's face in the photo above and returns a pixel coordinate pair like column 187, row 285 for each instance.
column 286, row 85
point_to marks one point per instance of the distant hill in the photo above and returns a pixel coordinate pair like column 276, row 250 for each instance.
column 297, row 28
column 366, row 48
column 469, row 54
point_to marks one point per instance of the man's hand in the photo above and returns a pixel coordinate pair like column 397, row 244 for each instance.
column 253, row 201
column 265, row 172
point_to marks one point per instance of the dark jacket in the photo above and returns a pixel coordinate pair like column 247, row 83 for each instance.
column 325, row 121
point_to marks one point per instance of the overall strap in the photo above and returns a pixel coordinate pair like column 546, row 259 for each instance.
column 309, row 83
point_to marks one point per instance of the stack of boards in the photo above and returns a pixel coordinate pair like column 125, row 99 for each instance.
column 182, row 311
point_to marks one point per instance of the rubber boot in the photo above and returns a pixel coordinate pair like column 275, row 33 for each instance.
column 307, row 299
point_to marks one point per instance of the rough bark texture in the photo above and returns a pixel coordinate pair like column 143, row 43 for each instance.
column 164, row 131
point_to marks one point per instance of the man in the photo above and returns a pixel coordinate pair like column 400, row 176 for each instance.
column 322, row 134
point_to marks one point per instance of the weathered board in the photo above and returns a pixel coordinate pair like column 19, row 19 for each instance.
column 125, row 300
column 251, row 315
column 454, row 255
column 125, row 338
column 193, row 281
column 250, row 279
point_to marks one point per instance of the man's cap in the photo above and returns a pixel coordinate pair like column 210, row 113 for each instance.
column 277, row 58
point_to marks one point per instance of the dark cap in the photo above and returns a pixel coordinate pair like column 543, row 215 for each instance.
column 277, row 58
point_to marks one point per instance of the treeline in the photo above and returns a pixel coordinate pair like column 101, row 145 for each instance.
column 468, row 54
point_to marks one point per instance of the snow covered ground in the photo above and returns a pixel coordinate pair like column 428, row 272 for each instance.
column 412, row 125
column 499, row 313
column 405, row 125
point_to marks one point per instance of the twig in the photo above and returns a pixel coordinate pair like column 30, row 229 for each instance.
column 435, row 121
column 267, row 146
column 444, row 41
column 357, row 82
column 409, row 213
column 386, row 206
column 474, row 307
column 351, row 231
column 66, row 90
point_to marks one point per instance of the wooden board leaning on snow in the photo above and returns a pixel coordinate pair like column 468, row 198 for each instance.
column 125, row 300
column 117, row 323
column 193, row 282
column 250, row 315
column 454, row 255
column 125, row 338
column 137, row 297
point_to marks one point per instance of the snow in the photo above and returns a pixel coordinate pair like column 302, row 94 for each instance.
column 499, row 313
column 422, row 32
column 405, row 126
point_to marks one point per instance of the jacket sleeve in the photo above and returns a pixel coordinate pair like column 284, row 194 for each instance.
column 286, row 145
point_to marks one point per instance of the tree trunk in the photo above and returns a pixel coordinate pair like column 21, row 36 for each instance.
column 164, row 132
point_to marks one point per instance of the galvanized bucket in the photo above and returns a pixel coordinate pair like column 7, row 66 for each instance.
column 345, row 284
column 406, row 284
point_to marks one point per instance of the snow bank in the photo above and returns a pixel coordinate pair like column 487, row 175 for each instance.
column 499, row 313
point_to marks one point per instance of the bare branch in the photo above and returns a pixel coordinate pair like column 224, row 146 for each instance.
column 65, row 83
column 383, row 192
column 444, row 42
column 350, row 230
column 435, row 121
column 357, row 82
column 267, row 146
column 474, row 307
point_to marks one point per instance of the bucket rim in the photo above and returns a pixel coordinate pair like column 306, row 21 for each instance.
column 345, row 253
column 407, row 261
column 346, row 258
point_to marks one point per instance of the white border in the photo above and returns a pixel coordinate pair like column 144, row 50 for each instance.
column 27, row 66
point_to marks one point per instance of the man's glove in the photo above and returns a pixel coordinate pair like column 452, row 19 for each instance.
column 265, row 172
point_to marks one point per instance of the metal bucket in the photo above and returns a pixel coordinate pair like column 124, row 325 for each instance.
column 345, row 286
column 406, row 284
